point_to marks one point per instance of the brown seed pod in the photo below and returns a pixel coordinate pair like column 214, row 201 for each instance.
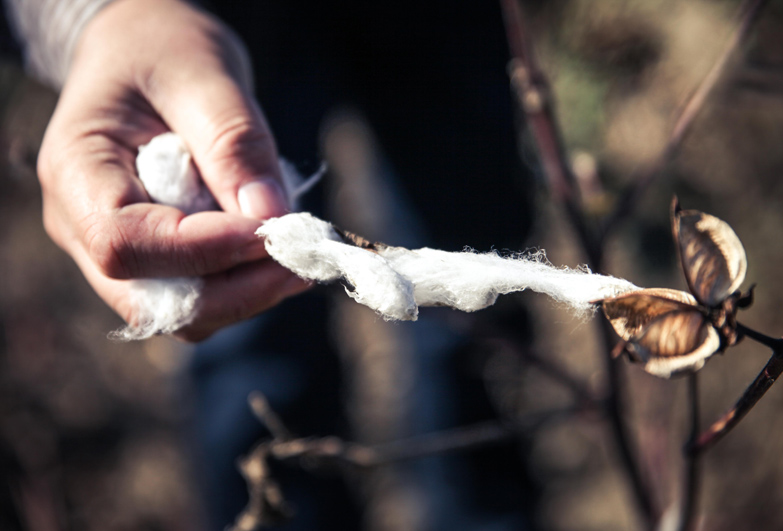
column 675, row 342
column 631, row 312
column 673, row 332
column 711, row 254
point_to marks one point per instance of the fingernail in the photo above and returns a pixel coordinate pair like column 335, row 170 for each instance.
column 262, row 199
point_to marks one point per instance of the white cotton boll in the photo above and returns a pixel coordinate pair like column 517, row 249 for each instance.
column 374, row 283
column 162, row 306
column 312, row 249
column 165, row 168
column 294, row 240
column 441, row 278
column 471, row 281
column 394, row 281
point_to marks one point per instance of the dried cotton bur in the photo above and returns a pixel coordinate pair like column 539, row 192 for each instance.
column 673, row 332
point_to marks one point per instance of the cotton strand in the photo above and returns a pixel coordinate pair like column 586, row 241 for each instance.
column 395, row 281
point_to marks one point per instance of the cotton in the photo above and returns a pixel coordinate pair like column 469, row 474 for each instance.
column 165, row 168
column 163, row 306
column 168, row 175
column 395, row 281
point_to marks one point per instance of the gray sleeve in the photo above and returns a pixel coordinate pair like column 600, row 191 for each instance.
column 48, row 31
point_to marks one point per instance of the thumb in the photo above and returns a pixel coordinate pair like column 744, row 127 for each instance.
column 228, row 137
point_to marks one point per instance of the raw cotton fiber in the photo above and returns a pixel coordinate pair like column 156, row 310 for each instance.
column 164, row 166
column 395, row 281
column 163, row 306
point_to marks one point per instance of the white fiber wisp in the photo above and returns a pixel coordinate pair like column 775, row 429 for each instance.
column 163, row 306
column 395, row 281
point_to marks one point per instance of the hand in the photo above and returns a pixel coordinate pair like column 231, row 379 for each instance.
column 143, row 67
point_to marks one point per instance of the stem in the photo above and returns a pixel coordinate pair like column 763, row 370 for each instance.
column 267, row 416
column 692, row 477
column 775, row 344
column 748, row 14
column 546, row 365
column 752, row 394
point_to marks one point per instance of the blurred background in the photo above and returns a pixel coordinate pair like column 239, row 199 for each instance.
column 416, row 122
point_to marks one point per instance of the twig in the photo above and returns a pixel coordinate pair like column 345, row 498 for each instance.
column 691, row 486
column 266, row 416
column 773, row 343
column 465, row 437
column 749, row 398
column 437, row 443
column 748, row 13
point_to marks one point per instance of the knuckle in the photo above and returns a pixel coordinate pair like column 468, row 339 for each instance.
column 235, row 132
column 241, row 138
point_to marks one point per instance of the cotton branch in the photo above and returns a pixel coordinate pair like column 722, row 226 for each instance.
column 335, row 450
column 749, row 398
column 748, row 14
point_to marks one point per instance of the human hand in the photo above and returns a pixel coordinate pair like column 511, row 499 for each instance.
column 143, row 67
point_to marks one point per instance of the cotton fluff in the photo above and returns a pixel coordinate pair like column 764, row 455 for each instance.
column 162, row 306
column 395, row 281
column 313, row 250
column 164, row 166
column 167, row 172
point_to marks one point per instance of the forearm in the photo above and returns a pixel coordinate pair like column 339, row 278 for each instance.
column 48, row 31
